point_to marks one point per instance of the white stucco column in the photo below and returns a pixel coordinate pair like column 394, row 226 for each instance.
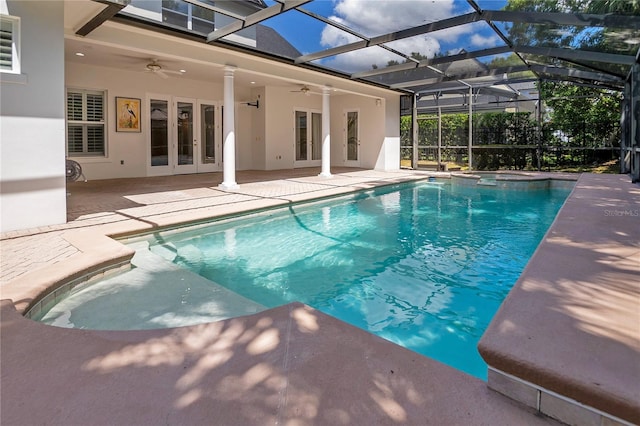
column 326, row 133
column 229, row 132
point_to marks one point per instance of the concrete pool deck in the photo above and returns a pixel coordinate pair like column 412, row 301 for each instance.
column 295, row 365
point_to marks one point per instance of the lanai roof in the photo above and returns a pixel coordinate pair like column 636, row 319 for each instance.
column 496, row 48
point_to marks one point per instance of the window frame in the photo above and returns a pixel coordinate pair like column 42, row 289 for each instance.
column 86, row 123
column 189, row 15
column 14, row 22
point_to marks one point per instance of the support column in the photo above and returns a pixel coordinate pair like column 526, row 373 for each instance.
column 440, row 139
column 634, row 117
column 326, row 133
column 470, row 128
column 539, row 129
column 229, row 132
column 414, row 132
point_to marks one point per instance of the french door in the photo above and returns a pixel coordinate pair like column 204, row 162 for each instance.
column 308, row 138
column 184, row 135
column 352, row 138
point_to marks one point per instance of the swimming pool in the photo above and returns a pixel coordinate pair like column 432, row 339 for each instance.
column 424, row 265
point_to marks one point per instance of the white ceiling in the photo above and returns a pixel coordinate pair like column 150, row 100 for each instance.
column 135, row 60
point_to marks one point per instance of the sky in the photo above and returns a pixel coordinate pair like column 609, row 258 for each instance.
column 377, row 17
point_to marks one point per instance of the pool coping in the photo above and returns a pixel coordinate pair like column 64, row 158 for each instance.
column 576, row 303
column 495, row 347
column 287, row 365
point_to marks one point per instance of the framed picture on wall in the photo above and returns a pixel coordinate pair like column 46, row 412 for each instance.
column 127, row 114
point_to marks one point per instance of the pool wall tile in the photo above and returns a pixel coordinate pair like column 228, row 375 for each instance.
column 549, row 403
column 61, row 290
column 512, row 182
column 465, row 179
column 567, row 412
column 607, row 421
column 514, row 389
column 562, row 184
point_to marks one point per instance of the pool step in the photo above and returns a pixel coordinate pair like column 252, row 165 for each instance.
column 223, row 304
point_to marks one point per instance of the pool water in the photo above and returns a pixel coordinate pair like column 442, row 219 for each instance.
column 424, row 265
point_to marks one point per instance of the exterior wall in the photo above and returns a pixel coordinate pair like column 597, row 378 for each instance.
column 32, row 127
column 264, row 136
column 389, row 152
column 244, row 136
column 132, row 148
column 373, row 133
column 279, row 138
column 258, row 129
column 379, row 128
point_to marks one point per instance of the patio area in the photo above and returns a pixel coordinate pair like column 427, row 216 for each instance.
column 571, row 326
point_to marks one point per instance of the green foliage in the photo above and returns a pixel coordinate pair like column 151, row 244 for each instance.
column 505, row 61
column 607, row 39
column 511, row 140
column 578, row 115
column 618, row 7
column 593, row 113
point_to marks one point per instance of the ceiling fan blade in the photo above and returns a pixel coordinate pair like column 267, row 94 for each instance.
column 162, row 74
column 303, row 89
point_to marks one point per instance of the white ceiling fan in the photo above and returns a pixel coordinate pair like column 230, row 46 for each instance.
column 157, row 69
column 304, row 89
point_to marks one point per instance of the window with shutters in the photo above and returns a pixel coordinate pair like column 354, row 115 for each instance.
column 86, row 133
column 9, row 44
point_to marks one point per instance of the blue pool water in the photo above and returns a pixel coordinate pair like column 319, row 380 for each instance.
column 424, row 265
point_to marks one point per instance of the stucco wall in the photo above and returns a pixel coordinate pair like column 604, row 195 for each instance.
column 279, row 137
column 132, row 148
column 373, row 129
column 389, row 153
column 32, row 131
column 258, row 122
column 379, row 128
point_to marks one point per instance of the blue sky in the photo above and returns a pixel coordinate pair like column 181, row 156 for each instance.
column 377, row 17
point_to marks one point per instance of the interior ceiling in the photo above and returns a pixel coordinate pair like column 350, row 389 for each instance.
column 453, row 71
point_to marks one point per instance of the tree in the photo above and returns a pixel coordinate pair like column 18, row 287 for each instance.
column 580, row 114
column 590, row 112
column 601, row 39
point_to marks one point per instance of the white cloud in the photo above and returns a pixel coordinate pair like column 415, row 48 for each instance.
column 377, row 17
column 484, row 42
column 332, row 36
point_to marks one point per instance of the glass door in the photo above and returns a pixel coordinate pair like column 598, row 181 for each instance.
column 184, row 138
column 352, row 136
column 316, row 136
column 159, row 162
column 210, row 157
column 301, row 136
column 307, row 138
column 185, row 135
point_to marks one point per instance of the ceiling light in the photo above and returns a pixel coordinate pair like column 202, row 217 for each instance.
column 79, row 54
column 183, row 71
